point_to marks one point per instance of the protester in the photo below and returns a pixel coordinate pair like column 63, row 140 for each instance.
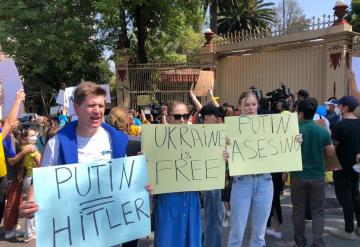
column 119, row 119
column 264, row 106
column 333, row 112
column 30, row 161
column 6, row 128
column 346, row 136
column 62, row 117
column 84, row 140
column 255, row 191
column 178, row 215
column 308, row 185
column 302, row 94
column 213, row 206
column 14, row 189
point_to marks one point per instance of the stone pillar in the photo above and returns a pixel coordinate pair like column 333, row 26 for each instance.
column 122, row 78
column 338, row 60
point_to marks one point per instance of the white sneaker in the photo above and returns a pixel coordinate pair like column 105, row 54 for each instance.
column 273, row 233
column 13, row 234
column 225, row 222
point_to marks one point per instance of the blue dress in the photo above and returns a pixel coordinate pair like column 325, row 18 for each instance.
column 178, row 220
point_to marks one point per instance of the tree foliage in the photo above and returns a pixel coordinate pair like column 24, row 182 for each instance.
column 145, row 27
column 354, row 15
column 52, row 42
column 241, row 15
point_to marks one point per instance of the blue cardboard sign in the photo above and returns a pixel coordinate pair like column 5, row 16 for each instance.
column 101, row 203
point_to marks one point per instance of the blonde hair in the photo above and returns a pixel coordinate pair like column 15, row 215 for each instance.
column 119, row 118
column 173, row 104
column 245, row 95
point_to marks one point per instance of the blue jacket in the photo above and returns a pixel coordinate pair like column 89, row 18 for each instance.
column 68, row 153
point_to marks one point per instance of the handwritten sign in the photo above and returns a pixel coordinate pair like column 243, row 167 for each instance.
column 9, row 76
column 204, row 83
column 184, row 157
column 103, row 203
column 263, row 144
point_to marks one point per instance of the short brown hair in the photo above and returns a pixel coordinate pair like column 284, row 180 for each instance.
column 86, row 88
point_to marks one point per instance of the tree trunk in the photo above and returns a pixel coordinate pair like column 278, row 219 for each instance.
column 123, row 41
column 213, row 16
column 141, row 33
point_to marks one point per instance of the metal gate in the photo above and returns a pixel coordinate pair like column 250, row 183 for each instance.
column 161, row 82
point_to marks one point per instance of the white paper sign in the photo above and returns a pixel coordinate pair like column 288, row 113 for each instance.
column 60, row 98
column 11, row 80
column 356, row 69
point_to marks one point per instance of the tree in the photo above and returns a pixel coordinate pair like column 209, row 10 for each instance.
column 354, row 15
column 52, row 42
column 153, row 22
column 240, row 15
column 295, row 19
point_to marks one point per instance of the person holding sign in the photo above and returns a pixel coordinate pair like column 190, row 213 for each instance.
column 86, row 140
column 308, row 184
column 9, row 121
column 178, row 215
column 255, row 191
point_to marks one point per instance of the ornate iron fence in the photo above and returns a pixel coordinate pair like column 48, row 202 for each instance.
column 162, row 82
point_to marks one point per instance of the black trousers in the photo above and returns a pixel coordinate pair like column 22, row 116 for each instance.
column 3, row 188
column 347, row 193
column 278, row 184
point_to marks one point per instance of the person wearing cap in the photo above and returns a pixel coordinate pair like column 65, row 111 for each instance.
column 346, row 136
column 213, row 206
column 333, row 113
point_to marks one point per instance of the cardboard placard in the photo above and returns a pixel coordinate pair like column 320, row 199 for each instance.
column 204, row 83
column 11, row 83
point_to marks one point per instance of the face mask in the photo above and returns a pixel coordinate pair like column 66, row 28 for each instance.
column 32, row 139
column 337, row 111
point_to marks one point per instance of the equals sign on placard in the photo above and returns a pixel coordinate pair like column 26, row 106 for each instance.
column 95, row 203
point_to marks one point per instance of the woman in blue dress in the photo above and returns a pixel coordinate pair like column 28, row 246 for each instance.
column 178, row 215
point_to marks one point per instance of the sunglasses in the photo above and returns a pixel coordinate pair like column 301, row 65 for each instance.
column 179, row 116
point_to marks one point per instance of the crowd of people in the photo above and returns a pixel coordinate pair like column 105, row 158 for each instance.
column 325, row 131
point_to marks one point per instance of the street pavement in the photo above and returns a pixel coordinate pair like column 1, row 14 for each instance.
column 333, row 220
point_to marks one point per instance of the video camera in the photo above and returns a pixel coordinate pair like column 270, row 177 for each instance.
column 282, row 93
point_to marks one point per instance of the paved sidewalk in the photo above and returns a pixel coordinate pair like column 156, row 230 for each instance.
column 334, row 220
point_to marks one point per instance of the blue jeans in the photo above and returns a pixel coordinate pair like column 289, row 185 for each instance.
column 255, row 191
column 214, row 216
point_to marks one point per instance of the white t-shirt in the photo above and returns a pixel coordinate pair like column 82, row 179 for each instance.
column 97, row 147
column 317, row 117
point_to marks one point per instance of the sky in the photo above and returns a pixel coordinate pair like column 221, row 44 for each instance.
column 315, row 8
